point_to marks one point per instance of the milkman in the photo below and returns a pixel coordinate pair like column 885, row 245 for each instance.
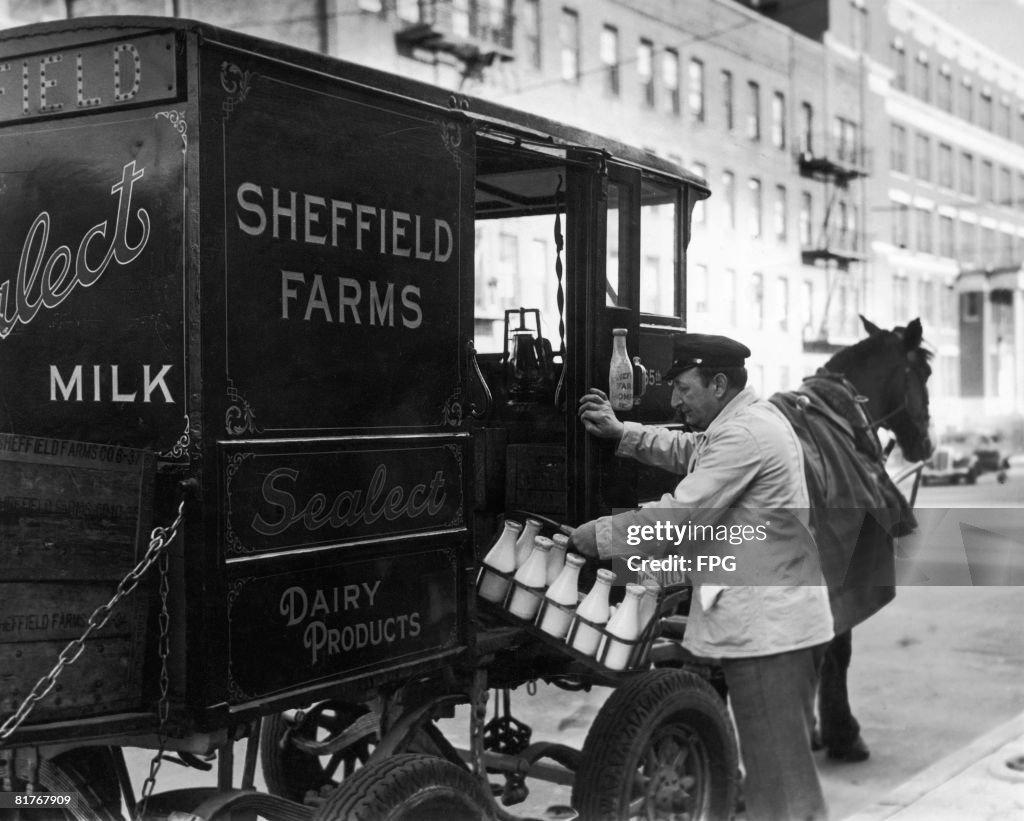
column 768, row 621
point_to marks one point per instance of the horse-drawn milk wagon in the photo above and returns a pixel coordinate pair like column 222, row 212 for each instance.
column 259, row 421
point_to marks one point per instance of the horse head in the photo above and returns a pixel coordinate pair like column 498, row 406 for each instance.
column 891, row 369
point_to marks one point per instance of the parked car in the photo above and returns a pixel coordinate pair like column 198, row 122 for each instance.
column 963, row 456
column 951, row 462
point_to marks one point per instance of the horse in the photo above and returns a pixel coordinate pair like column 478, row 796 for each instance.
column 856, row 511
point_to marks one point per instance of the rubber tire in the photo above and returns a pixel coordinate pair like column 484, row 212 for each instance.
column 618, row 741
column 409, row 787
column 291, row 773
column 87, row 773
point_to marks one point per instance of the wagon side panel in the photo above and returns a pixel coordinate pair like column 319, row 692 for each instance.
column 336, row 464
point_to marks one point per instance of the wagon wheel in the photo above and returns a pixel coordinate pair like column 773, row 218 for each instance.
column 661, row 747
column 293, row 773
column 87, row 773
column 409, row 787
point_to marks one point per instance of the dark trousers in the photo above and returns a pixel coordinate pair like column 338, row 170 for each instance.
column 839, row 728
column 772, row 700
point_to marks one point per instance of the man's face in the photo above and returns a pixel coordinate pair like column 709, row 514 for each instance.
column 697, row 404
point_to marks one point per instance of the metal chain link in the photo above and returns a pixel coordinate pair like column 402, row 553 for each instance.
column 163, row 705
column 159, row 539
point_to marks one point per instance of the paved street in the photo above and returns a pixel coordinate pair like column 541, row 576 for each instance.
column 938, row 668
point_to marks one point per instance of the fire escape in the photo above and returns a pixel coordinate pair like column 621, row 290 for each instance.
column 475, row 32
column 840, row 241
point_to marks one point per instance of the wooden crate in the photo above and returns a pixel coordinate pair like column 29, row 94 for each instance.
column 74, row 519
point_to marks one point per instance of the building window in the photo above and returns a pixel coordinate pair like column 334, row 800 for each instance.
column 947, row 236
column 944, row 92
column 926, row 300
column 754, row 111
column 670, row 80
column 809, row 331
column 901, row 225
column 985, row 109
column 900, row 297
column 806, row 129
column 967, row 174
column 756, row 208
column 782, row 289
column 700, row 289
column 1005, row 195
column 924, row 230
column 700, row 214
column 569, row 39
column 610, row 59
column 859, row 24
column 806, row 216
column 989, row 245
column 1004, row 117
column 645, row 71
column 945, row 165
column 1006, row 248
column 530, row 23
column 988, row 179
column 898, row 58
column 728, row 103
column 967, row 99
column 898, row 148
column 923, row 157
column 845, row 139
column 968, row 249
column 779, row 214
column 728, row 288
column 842, row 315
column 949, row 298
column 757, row 292
column 729, row 197
column 779, row 120
column 695, row 90
column 923, row 77
column 839, row 232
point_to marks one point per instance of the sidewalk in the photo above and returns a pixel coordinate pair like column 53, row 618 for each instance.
column 973, row 784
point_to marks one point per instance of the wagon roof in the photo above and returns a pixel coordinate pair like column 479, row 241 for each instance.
column 58, row 34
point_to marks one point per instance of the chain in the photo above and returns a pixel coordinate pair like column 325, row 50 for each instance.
column 159, row 539
column 163, row 704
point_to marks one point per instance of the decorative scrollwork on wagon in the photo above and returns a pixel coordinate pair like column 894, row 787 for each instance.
column 180, row 124
column 180, row 449
column 237, row 83
column 240, row 417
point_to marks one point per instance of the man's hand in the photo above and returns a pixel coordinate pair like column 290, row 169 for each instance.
column 584, row 539
column 598, row 416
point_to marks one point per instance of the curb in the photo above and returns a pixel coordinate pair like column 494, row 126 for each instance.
column 941, row 772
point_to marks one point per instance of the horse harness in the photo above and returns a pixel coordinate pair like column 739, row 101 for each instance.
column 838, row 399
